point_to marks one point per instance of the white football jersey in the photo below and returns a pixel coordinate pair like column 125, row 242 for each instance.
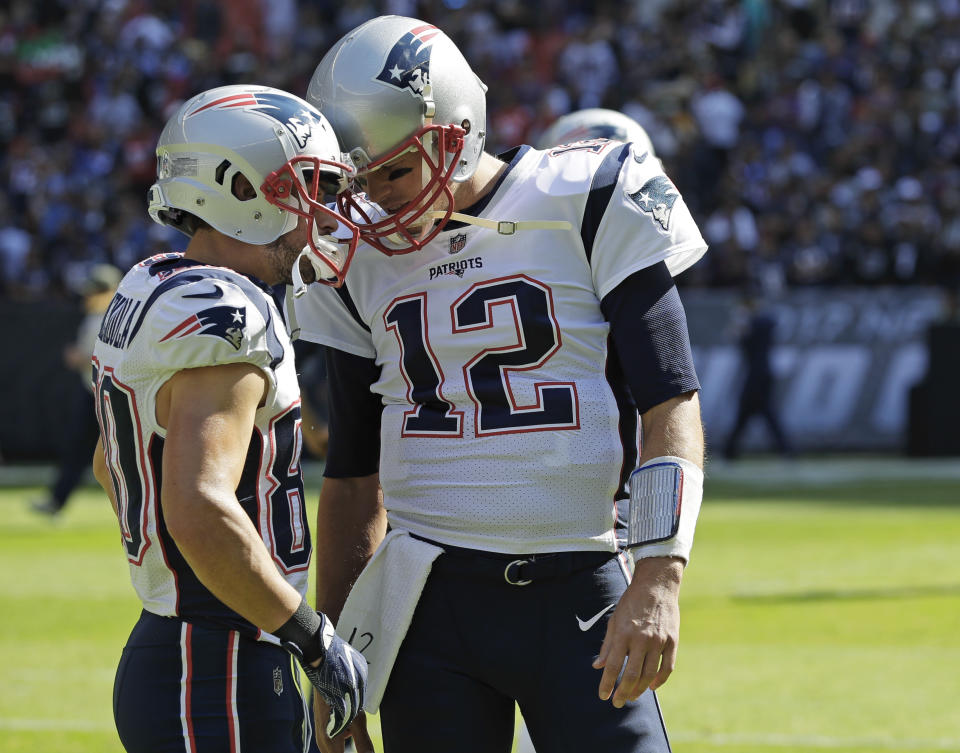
column 500, row 429
column 169, row 314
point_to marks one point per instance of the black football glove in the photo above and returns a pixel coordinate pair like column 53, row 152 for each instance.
column 340, row 678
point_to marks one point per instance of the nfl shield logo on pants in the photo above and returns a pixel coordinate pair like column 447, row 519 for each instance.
column 277, row 680
column 457, row 242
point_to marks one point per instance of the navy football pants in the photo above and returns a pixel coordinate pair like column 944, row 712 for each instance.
column 185, row 688
column 476, row 644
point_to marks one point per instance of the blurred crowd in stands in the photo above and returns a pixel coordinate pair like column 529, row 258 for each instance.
column 817, row 141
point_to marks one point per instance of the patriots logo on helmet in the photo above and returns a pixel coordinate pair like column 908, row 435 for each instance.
column 225, row 322
column 408, row 62
column 657, row 198
column 284, row 109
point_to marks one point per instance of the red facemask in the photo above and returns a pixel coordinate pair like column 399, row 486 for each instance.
column 393, row 234
column 332, row 254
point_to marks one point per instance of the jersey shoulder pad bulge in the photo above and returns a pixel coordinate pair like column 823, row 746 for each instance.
column 209, row 322
column 645, row 222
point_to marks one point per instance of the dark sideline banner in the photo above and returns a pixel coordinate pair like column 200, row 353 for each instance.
column 844, row 362
column 34, row 381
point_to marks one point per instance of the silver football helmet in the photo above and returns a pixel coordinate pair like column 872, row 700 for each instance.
column 392, row 85
column 596, row 123
column 283, row 147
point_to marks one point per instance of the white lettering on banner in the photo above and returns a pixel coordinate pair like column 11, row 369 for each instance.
column 855, row 319
column 783, row 361
column 826, row 387
column 907, row 366
column 824, row 322
column 820, row 391
column 890, row 325
column 845, row 361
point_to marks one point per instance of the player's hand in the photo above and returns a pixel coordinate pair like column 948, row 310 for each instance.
column 357, row 730
column 644, row 631
column 339, row 678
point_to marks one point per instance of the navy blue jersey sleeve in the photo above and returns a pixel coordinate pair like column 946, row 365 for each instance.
column 648, row 328
column 355, row 412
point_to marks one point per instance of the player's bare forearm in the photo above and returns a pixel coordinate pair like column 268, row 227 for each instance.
column 674, row 428
column 644, row 630
column 209, row 423
column 228, row 556
column 351, row 523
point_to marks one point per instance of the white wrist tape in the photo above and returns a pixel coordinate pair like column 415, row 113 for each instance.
column 665, row 497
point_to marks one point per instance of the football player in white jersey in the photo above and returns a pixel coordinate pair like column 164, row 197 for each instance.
column 198, row 405
column 504, row 325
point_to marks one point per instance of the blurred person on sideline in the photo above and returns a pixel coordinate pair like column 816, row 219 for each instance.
column 198, row 404
column 80, row 430
column 505, row 322
column 755, row 329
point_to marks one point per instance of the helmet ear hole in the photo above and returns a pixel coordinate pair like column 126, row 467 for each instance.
column 241, row 188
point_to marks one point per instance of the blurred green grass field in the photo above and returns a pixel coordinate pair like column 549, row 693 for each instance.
column 816, row 617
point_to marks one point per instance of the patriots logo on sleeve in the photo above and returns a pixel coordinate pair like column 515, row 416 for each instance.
column 225, row 322
column 408, row 62
column 657, row 198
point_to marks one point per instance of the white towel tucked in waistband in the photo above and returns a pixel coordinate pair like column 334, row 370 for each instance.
column 381, row 603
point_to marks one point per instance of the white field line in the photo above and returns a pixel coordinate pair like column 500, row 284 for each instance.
column 815, row 742
column 811, row 742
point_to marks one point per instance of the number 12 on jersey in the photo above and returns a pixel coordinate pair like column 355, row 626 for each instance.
column 487, row 373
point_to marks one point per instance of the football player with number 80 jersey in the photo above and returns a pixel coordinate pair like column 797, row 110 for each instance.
column 198, row 405
column 504, row 328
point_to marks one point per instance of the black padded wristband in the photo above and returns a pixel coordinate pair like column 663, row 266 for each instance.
column 302, row 632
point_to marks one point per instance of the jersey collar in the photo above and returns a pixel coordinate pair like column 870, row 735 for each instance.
column 512, row 157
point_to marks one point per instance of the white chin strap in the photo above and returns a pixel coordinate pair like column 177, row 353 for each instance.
column 330, row 249
column 503, row 227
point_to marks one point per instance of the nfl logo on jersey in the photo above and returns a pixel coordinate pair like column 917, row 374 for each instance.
column 277, row 681
column 457, row 242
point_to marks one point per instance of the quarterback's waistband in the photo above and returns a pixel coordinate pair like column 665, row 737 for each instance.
column 517, row 569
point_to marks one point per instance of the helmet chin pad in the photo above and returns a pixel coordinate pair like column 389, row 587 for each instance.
column 401, row 232
column 329, row 259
